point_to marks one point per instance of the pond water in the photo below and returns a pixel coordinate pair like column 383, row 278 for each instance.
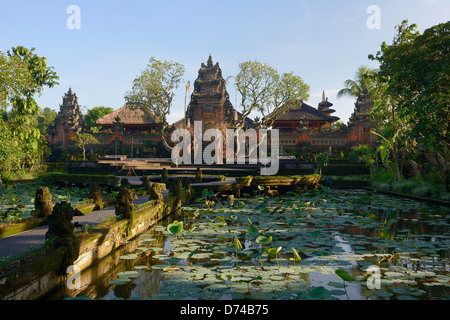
column 383, row 248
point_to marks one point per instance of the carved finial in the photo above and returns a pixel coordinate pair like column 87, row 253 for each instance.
column 323, row 95
column 210, row 61
column 70, row 92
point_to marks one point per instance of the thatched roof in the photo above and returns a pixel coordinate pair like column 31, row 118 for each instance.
column 180, row 123
column 305, row 112
column 127, row 116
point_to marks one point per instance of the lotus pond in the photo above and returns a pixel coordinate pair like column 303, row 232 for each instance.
column 333, row 244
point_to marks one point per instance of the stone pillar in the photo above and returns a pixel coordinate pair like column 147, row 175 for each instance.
column 165, row 176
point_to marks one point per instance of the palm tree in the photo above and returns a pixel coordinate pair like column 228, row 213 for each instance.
column 363, row 79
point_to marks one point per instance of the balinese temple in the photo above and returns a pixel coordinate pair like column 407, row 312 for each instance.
column 302, row 127
column 308, row 126
column 359, row 122
column 128, row 126
column 210, row 101
column 68, row 122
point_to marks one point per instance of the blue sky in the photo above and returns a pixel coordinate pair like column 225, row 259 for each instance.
column 324, row 42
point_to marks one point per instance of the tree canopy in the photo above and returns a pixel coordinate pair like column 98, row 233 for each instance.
column 154, row 89
column 96, row 113
column 415, row 70
column 265, row 91
column 82, row 140
column 363, row 79
column 412, row 93
column 23, row 74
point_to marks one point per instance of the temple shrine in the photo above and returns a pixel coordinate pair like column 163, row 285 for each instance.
column 210, row 101
column 68, row 122
column 302, row 128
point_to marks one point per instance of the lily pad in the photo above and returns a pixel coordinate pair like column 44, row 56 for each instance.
column 130, row 256
column 128, row 274
column 344, row 275
column 119, row 281
column 406, row 298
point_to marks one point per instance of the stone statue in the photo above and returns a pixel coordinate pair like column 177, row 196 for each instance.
column 96, row 194
column 146, row 183
column 43, row 202
column 155, row 193
column 60, row 231
column 175, row 186
column 124, row 203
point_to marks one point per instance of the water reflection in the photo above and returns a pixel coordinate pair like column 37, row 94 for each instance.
column 351, row 230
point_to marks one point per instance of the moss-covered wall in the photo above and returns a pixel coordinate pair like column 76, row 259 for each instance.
column 32, row 279
column 7, row 230
column 41, row 272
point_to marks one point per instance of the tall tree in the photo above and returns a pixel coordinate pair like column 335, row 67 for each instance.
column 414, row 69
column 15, row 79
column 82, row 140
column 29, row 75
column 154, row 89
column 392, row 130
column 46, row 119
column 10, row 151
column 363, row 79
column 263, row 90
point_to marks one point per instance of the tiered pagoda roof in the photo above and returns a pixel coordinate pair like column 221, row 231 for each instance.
column 70, row 112
column 211, row 97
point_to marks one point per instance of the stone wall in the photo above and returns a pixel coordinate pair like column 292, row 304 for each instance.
column 41, row 273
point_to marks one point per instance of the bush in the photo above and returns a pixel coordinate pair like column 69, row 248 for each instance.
column 414, row 187
column 322, row 161
column 384, row 175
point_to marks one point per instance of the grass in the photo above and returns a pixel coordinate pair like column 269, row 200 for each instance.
column 351, row 178
column 414, row 187
column 9, row 177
